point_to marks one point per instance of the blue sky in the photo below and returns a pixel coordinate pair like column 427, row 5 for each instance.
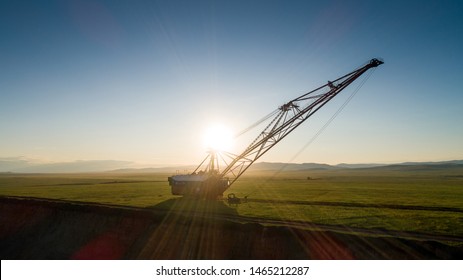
column 141, row 81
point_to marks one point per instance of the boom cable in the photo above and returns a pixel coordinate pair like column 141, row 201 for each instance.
column 257, row 123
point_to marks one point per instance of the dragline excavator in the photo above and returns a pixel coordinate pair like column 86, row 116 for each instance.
column 210, row 182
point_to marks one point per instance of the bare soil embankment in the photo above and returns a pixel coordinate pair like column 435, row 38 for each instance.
column 52, row 229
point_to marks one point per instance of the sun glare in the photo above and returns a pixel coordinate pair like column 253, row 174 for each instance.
column 218, row 137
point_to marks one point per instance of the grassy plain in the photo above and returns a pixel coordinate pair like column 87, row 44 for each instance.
column 364, row 198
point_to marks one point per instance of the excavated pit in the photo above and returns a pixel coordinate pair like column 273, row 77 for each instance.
column 46, row 229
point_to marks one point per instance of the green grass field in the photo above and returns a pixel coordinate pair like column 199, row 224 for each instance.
column 377, row 197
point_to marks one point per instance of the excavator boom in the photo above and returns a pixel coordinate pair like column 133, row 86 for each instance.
column 291, row 115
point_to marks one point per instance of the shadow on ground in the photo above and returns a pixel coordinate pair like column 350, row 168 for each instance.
column 180, row 229
column 190, row 206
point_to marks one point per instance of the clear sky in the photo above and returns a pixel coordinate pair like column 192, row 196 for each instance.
column 141, row 81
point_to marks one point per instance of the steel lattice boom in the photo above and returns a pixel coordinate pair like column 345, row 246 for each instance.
column 290, row 116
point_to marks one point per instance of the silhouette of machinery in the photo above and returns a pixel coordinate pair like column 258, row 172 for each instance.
column 210, row 181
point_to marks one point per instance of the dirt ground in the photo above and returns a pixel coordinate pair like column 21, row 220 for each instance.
column 45, row 229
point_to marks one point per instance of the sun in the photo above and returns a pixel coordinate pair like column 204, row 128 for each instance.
column 218, row 137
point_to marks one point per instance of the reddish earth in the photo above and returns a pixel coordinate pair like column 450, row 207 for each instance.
column 45, row 229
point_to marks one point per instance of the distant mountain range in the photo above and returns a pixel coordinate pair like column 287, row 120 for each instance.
column 270, row 166
column 23, row 165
